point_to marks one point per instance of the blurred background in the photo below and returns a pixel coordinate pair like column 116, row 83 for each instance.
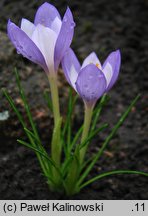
column 101, row 26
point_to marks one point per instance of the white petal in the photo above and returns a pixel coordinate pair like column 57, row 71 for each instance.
column 28, row 27
column 92, row 59
column 45, row 40
column 73, row 75
column 56, row 25
column 108, row 72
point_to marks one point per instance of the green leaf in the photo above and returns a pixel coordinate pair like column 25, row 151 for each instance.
column 48, row 100
column 68, row 116
column 76, row 137
column 26, row 105
column 40, row 152
column 12, row 104
column 67, row 126
column 114, row 172
column 72, row 175
column 92, row 135
column 85, row 163
column 32, row 134
column 20, row 117
column 66, row 165
column 98, row 109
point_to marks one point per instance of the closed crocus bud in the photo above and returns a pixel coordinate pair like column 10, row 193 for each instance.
column 91, row 80
column 46, row 40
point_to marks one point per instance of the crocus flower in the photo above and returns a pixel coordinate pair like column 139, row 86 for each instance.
column 91, row 80
column 45, row 41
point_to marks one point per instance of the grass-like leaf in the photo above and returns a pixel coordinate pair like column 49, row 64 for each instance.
column 98, row 109
column 41, row 153
column 12, row 104
column 66, row 132
column 48, row 100
column 76, row 137
column 26, row 105
column 93, row 134
column 114, row 172
column 66, row 165
column 31, row 134
column 67, row 125
column 20, row 117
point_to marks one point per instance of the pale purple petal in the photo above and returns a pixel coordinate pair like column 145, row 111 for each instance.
column 56, row 25
column 108, row 73
column 45, row 40
column 71, row 67
column 25, row 45
column 64, row 38
column 28, row 27
column 92, row 59
column 91, row 84
column 46, row 14
column 111, row 68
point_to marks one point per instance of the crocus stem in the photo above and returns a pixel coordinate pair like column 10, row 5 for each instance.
column 79, row 155
column 86, row 127
column 55, row 97
column 56, row 143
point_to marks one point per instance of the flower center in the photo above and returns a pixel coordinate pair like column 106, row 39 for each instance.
column 98, row 65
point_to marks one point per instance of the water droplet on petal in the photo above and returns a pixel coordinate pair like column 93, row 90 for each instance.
column 65, row 19
column 72, row 25
column 90, row 77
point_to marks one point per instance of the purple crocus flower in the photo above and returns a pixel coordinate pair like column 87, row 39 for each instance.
column 45, row 41
column 91, row 80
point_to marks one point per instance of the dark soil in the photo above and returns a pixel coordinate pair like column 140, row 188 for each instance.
column 102, row 26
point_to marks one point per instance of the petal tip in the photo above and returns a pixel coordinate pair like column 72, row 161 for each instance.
column 45, row 4
column 93, row 53
column 68, row 9
column 10, row 26
column 68, row 12
column 9, row 22
column 118, row 52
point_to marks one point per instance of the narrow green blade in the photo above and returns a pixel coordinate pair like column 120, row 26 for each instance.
column 76, row 137
column 114, row 172
column 26, row 105
column 98, row 109
column 40, row 152
column 66, row 133
column 48, row 100
column 11, row 102
column 93, row 134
